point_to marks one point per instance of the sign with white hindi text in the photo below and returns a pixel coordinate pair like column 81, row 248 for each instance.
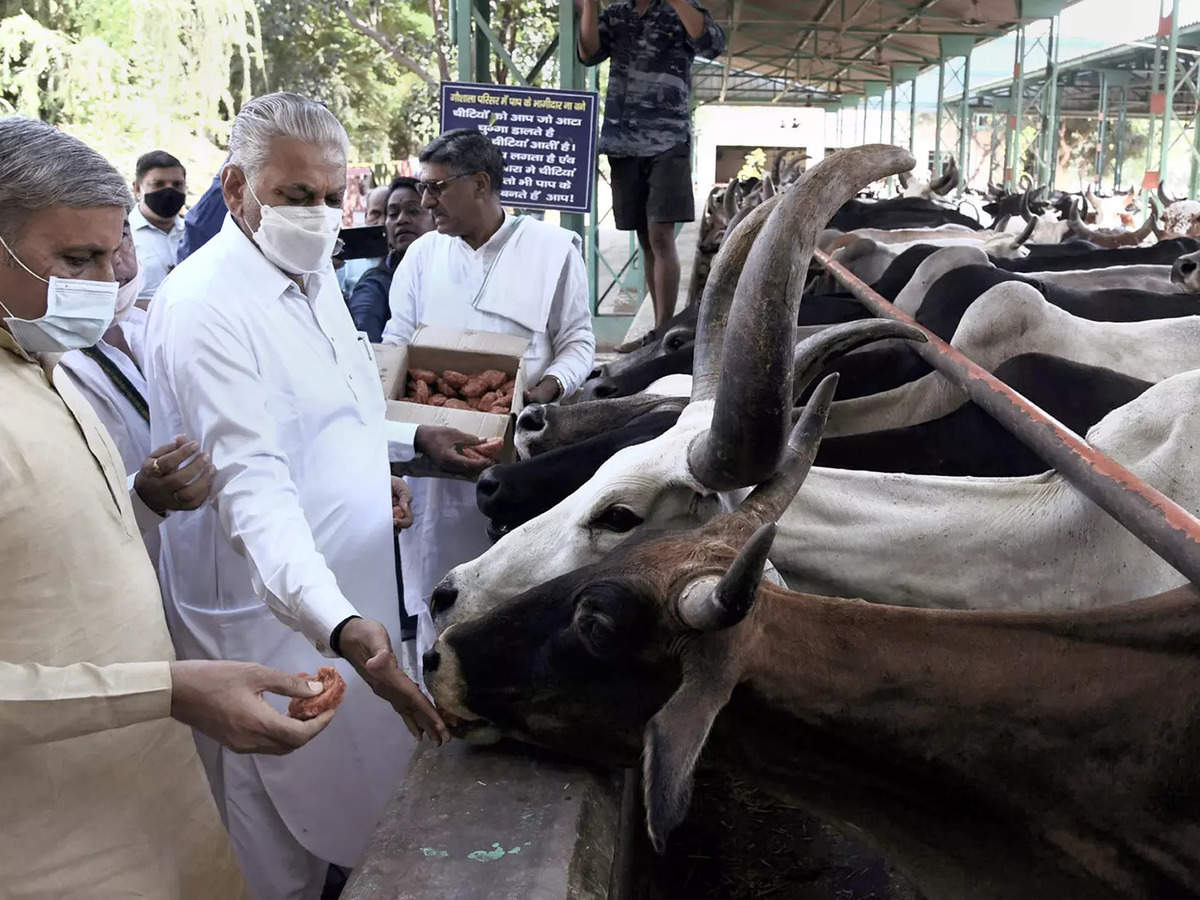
column 547, row 136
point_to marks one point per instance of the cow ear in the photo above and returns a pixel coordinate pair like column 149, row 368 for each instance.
column 672, row 743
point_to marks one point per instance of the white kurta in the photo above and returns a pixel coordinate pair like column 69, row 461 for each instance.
column 278, row 387
column 527, row 280
column 157, row 250
column 125, row 425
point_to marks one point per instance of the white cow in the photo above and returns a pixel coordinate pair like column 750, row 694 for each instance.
column 953, row 542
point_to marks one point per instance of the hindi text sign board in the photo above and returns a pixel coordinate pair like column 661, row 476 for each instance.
column 548, row 138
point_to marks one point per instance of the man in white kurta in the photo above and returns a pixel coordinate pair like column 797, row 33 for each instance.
column 264, row 368
column 485, row 270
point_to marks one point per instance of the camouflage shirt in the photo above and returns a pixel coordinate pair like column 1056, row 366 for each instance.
column 649, row 78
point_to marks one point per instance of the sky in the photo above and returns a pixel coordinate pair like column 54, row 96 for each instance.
column 1086, row 27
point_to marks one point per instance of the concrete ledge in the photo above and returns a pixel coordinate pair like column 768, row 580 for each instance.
column 506, row 823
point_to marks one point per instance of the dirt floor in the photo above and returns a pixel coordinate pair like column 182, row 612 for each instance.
column 739, row 844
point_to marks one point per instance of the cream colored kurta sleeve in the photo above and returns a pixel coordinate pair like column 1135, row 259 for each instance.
column 39, row 703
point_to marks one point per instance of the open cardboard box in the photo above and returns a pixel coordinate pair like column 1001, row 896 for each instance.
column 469, row 352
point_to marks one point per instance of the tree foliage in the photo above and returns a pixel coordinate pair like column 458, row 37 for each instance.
column 132, row 75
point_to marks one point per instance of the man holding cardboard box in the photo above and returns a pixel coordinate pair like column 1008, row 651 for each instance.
column 251, row 345
column 485, row 271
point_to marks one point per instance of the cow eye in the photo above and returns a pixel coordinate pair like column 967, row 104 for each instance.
column 598, row 631
column 619, row 519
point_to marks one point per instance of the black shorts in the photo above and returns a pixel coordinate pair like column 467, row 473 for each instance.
column 652, row 188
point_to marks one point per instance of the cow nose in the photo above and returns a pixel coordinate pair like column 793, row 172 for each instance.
column 431, row 660
column 487, row 486
column 604, row 390
column 595, row 373
column 533, row 418
column 443, row 598
column 1187, row 267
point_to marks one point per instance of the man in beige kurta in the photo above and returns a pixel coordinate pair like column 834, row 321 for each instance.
column 103, row 793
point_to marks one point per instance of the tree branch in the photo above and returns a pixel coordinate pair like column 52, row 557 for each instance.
column 400, row 57
column 439, row 39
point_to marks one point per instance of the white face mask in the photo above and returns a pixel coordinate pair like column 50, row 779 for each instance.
column 298, row 239
column 78, row 312
column 127, row 295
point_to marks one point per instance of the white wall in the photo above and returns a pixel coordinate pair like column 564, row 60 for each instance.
column 755, row 126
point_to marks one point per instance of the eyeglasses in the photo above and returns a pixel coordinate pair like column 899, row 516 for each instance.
column 436, row 187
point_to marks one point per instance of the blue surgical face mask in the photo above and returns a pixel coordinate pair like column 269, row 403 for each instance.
column 78, row 312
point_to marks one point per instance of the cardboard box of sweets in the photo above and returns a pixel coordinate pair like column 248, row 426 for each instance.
column 439, row 349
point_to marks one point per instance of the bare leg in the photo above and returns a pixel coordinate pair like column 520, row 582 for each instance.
column 666, row 271
column 649, row 261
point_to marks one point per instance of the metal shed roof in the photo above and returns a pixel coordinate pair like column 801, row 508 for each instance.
column 813, row 50
column 1130, row 65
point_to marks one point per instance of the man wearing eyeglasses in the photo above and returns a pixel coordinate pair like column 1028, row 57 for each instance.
column 486, row 270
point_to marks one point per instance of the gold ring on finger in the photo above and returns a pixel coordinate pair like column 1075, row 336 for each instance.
column 155, row 468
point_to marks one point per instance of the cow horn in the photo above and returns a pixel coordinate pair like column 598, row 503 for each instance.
column 948, row 181
column 1025, row 181
column 1136, row 237
column 1026, row 205
column 1091, row 198
column 708, row 606
column 1027, row 233
column 1109, row 241
column 905, row 179
column 768, row 187
column 814, row 354
column 1162, row 195
column 753, row 396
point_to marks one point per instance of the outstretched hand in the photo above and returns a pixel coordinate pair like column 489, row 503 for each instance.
column 224, row 700
column 365, row 643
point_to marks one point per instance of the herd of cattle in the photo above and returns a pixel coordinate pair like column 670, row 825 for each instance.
column 1013, row 712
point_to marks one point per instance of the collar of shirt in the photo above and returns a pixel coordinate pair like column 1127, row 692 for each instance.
column 491, row 248
column 138, row 221
column 256, row 269
column 9, row 343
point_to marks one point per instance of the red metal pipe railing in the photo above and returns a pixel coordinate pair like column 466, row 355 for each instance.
column 1153, row 518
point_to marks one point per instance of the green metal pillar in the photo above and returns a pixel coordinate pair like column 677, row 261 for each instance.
column 1048, row 163
column 570, row 77
column 1169, row 91
column 936, row 166
column 1016, row 117
column 965, row 127
column 1119, row 155
column 1102, row 131
column 483, row 47
column 1151, row 146
column 462, row 39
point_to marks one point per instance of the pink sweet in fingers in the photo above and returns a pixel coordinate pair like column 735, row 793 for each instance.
column 311, row 707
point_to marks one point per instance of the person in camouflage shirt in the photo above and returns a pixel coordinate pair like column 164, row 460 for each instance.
column 647, row 121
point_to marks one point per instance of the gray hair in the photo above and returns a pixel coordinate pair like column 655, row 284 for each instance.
column 42, row 167
column 282, row 114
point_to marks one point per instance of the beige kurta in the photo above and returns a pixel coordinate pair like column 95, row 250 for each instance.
column 103, row 795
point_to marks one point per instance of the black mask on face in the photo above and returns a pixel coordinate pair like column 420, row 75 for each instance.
column 165, row 202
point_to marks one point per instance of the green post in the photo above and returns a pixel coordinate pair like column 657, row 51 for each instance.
column 1122, row 118
column 936, row 168
column 569, row 71
column 1102, row 131
column 1169, row 109
column 1155, row 74
column 1018, row 110
column 483, row 61
column 965, row 127
column 1049, row 154
column 462, row 39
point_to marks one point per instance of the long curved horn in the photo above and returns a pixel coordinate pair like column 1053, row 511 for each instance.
column 815, row 353
column 777, row 166
column 711, row 603
column 905, row 179
column 1026, row 205
column 1136, row 237
column 1109, row 241
column 1162, row 195
column 948, row 181
column 768, row 187
column 753, row 399
column 1091, row 198
column 1027, row 233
